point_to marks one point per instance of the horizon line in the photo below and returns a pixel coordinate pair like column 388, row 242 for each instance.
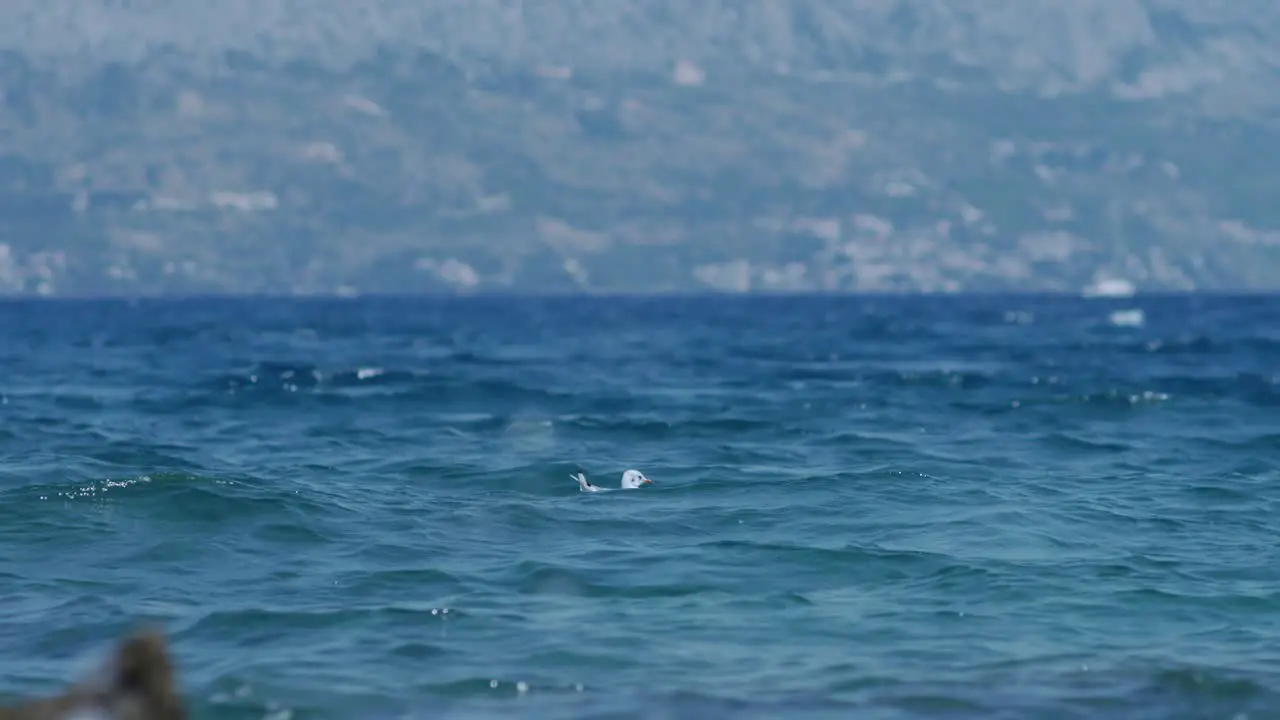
column 634, row 294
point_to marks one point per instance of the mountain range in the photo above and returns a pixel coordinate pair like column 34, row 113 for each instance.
column 322, row 147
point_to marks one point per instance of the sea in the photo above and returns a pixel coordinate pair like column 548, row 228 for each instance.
column 969, row 506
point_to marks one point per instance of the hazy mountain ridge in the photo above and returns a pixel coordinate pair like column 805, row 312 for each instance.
column 861, row 145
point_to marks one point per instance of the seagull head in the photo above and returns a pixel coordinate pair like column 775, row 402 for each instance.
column 633, row 479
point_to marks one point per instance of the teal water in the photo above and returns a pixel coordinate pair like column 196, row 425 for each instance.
column 974, row 507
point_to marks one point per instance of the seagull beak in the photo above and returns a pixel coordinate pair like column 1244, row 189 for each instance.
column 647, row 481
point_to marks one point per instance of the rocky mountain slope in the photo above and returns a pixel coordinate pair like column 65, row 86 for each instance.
column 283, row 146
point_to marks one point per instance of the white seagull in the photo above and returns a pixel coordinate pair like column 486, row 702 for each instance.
column 631, row 480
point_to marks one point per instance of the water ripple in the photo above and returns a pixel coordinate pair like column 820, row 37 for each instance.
column 883, row 507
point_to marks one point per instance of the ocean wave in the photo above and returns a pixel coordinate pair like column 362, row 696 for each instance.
column 880, row 506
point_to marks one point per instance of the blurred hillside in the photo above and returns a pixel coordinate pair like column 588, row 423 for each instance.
column 282, row 146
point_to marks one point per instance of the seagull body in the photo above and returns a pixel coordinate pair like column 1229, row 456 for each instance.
column 631, row 480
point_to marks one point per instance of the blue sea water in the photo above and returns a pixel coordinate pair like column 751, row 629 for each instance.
column 873, row 507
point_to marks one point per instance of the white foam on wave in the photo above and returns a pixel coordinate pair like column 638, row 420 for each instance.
column 1133, row 317
column 529, row 433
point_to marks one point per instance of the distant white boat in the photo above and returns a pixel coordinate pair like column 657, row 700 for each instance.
column 1109, row 287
